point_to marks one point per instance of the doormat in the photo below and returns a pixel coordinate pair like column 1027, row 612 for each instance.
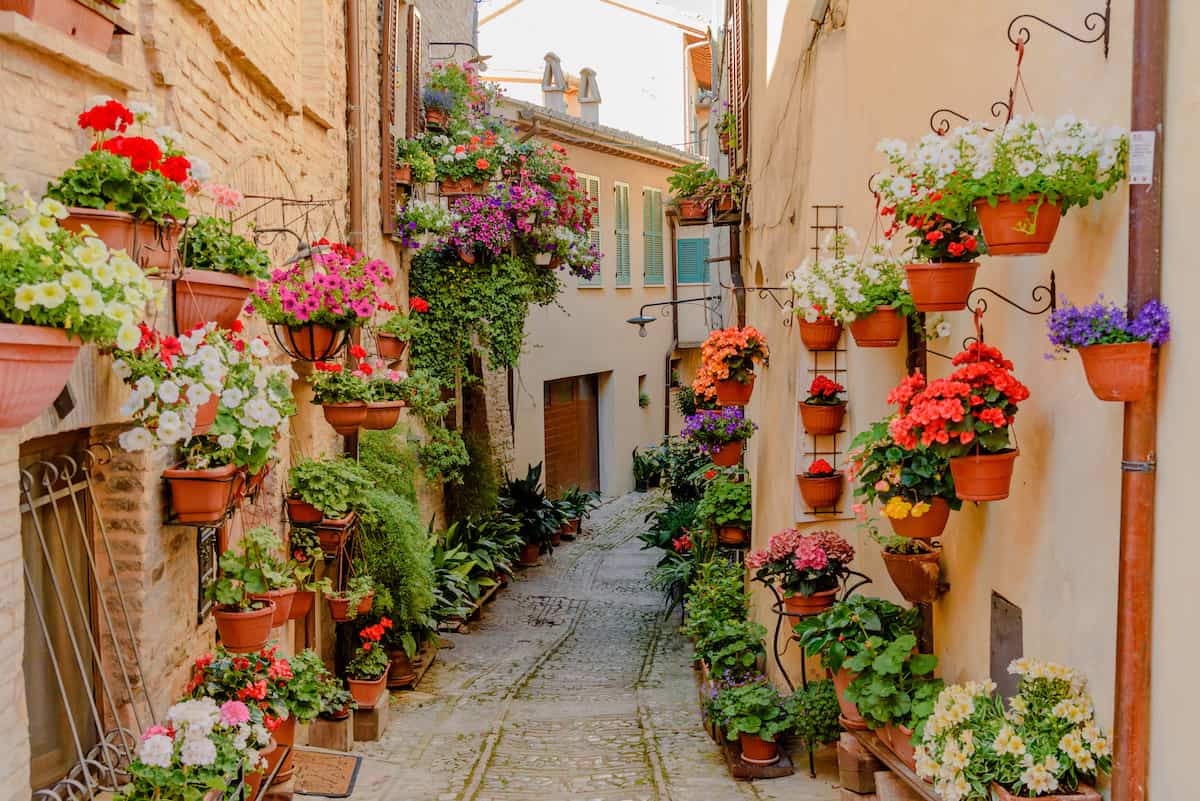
column 325, row 774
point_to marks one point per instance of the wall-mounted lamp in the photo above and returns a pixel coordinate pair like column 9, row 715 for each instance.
column 640, row 321
column 642, row 318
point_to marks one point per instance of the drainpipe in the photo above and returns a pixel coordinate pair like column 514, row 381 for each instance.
column 354, row 156
column 1131, row 738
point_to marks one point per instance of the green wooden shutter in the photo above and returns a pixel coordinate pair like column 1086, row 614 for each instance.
column 592, row 187
column 622, row 234
column 691, row 261
column 652, row 236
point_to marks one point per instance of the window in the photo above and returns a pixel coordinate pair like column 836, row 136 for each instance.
column 591, row 185
column 621, row 213
column 691, row 261
column 652, row 236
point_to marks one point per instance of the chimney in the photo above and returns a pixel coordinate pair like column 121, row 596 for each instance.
column 589, row 96
column 554, row 85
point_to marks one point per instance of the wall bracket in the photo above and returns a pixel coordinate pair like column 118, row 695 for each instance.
column 1096, row 21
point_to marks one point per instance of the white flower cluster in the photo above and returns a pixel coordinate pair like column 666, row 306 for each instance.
column 426, row 217
column 837, row 284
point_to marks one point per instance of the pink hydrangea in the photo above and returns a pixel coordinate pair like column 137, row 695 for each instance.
column 757, row 560
column 782, row 545
column 834, row 546
column 809, row 556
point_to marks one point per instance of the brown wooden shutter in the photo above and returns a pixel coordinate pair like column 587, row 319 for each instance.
column 412, row 121
column 739, row 94
column 387, row 116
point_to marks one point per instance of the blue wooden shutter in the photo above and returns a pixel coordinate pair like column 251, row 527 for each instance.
column 691, row 261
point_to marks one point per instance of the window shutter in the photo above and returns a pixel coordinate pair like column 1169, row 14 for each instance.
column 738, row 89
column 592, row 187
column 622, row 234
column 412, row 76
column 652, row 238
column 387, row 117
column 691, row 260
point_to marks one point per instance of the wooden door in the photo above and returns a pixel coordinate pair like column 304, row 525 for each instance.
column 572, row 434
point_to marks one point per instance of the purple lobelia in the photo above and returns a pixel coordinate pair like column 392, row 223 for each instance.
column 712, row 428
column 1106, row 323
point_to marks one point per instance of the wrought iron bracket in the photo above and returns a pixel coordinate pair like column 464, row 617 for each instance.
column 940, row 120
column 1042, row 294
column 1096, row 21
column 664, row 310
column 787, row 305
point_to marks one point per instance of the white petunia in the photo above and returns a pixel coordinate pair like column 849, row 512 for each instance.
column 168, row 392
column 227, row 440
column 135, row 439
column 232, row 398
column 76, row 283
column 91, row 304
column 50, row 295
column 52, row 208
column 128, row 337
column 121, row 369
column 259, row 349
column 25, row 296
column 198, row 394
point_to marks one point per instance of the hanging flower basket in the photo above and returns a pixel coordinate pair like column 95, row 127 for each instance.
column 461, row 186
column 850, row 719
column 758, row 751
column 1082, row 792
column 345, row 417
column 364, row 605
column 149, row 244
column 941, row 286
column 333, row 533
column 731, row 392
column 402, row 174
column 201, row 496
column 544, row 259
column 728, row 454
column 926, row 527
column 821, row 492
column 881, row 328
column 693, row 212
column 339, row 609
column 915, row 575
column 1122, row 372
column 821, row 419
column 310, row 343
column 1018, row 227
column 204, row 295
column 813, row 604
column 390, row 348
column 302, row 603
column 244, row 632
column 983, row 476
column 824, row 334
column 35, row 365
column 382, row 415
column 282, row 600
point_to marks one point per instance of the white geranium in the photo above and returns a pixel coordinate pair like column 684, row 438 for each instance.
column 156, row 751
column 198, row 751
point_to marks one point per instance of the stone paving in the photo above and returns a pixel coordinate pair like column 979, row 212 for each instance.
column 572, row 687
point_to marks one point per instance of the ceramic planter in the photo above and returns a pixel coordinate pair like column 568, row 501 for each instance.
column 758, row 751
column 898, row 739
column 339, row 609
column 881, row 328
column 1013, row 228
column 285, row 735
column 390, row 348
column 302, row 512
column 310, row 343
column 200, row 496
column 941, row 286
column 382, row 415
column 435, row 118
column 528, row 555
column 732, row 392
column 461, row 186
column 201, row 296
column 244, row 632
column 821, row 492
column 302, row 603
column 850, row 719
column 821, row 335
column 983, row 476
column 402, row 174
column 731, row 535
column 283, row 604
column 543, row 259
column 822, row 419
column 367, row 692
column 1082, row 792
column 85, row 26
column 692, row 212
column 150, row 245
column 364, row 606
column 915, row 575
column 1122, row 372
column 728, row 454
column 926, row 527
column 345, row 417
column 810, row 604
column 35, row 365
column 400, row 671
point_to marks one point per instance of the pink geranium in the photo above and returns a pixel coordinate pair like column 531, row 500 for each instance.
column 234, row 713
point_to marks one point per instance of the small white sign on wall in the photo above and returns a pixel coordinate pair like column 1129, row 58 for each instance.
column 1141, row 158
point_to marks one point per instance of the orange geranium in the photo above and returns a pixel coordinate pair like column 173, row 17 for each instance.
column 729, row 354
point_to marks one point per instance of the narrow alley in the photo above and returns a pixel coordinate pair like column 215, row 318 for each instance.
column 573, row 687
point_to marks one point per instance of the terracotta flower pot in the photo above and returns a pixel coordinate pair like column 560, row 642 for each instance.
column 941, row 286
column 35, row 365
column 402, row 174
column 926, row 527
column 302, row 603
column 693, row 211
column 758, row 751
column 899, row 740
column 85, row 26
column 367, row 693
column 400, row 671
column 435, row 118
column 285, row 735
column 206, row 415
column 881, row 328
column 983, row 477
column 390, row 348
column 556, row 539
column 728, row 454
column 461, row 186
column 339, row 609
column 345, row 417
column 382, row 415
column 311, row 343
column 244, row 632
column 915, row 575
column 810, row 604
column 731, row 392
column 528, row 555
column 150, row 245
column 283, row 604
column 1083, row 792
column 467, row 255
column 254, row 779
column 850, row 718
column 200, row 496
column 1123, row 372
column 822, row 419
column 1013, row 228
column 302, row 512
column 821, row 335
column 725, row 205
column 821, row 492
column 332, row 534
column 204, row 295
column 723, row 140
column 364, row 606
column 731, row 535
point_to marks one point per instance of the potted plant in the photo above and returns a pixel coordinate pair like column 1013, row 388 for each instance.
column 345, row 605
column 366, row 672
column 342, row 394
column 47, row 291
column 88, row 25
column 726, row 507
column 524, row 502
column 309, row 315
column 420, row 223
column 732, row 648
column 304, row 574
column 304, row 697
column 727, row 129
column 243, row 621
column 127, row 190
column 813, row 713
column 912, row 562
column 386, row 396
column 724, row 196
column 822, row 412
column 325, row 489
column 468, row 170
column 261, row 547
column 719, row 433
column 643, row 469
column 843, row 631
column 1117, row 349
column 914, row 488
column 821, row 485
column 866, row 292
column 413, row 164
column 965, row 418
column 686, row 184
column 393, row 336
column 753, row 713
column 818, row 331
column 220, row 268
column 438, row 105
column 336, row 700
column 808, row 568
column 1046, row 744
column 580, row 504
column 485, row 226
column 728, row 368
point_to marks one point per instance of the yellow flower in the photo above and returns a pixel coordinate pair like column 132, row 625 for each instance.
column 920, row 509
column 896, row 508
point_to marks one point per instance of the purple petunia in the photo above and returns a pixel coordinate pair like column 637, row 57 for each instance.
column 1106, row 323
column 711, row 429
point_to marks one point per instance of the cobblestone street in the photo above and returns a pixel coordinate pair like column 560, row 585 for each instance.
column 572, row 687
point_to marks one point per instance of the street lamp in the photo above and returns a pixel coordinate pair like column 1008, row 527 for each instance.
column 643, row 319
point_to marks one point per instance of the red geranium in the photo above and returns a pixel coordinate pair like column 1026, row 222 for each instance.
column 419, row 305
column 108, row 116
column 824, row 391
column 820, row 468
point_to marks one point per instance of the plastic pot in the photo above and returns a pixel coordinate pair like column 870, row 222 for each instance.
column 390, row 348
column 205, row 295
column 731, row 392
column 1015, row 228
column 1123, row 372
column 283, row 604
column 200, row 496
column 148, row 244
column 345, row 417
column 758, row 751
column 728, row 454
column 881, row 328
column 926, row 527
column 244, row 632
column 983, row 476
column 941, row 286
column 367, row 693
column 850, row 718
column 821, row 335
column 821, row 492
column 35, row 365
column 382, row 415
column 810, row 604
column 821, row 419
column 302, row 512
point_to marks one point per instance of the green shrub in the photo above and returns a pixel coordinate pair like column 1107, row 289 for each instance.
column 479, row 491
column 814, row 713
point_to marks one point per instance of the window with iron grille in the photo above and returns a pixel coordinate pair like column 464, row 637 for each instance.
column 652, row 236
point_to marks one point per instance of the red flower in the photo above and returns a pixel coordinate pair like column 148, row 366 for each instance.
column 956, row 249
column 239, row 346
column 109, row 116
column 820, row 468
column 143, row 154
column 358, row 351
column 710, row 474
column 972, row 243
column 419, row 305
column 681, row 544
column 366, row 368
column 934, row 236
column 175, row 168
column 482, row 164
column 236, row 326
